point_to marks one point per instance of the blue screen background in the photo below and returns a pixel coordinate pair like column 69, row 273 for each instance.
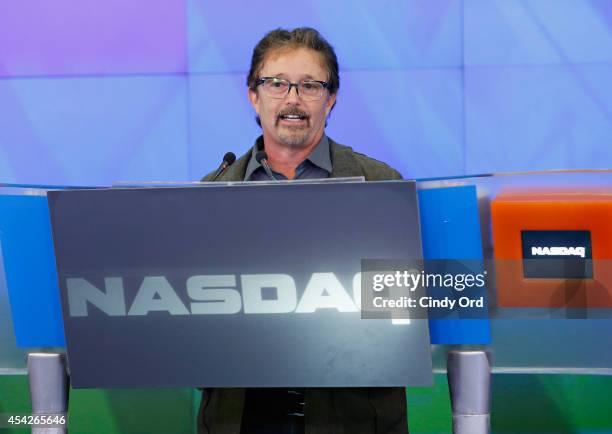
column 96, row 92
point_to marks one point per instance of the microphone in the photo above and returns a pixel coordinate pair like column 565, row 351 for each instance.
column 228, row 160
column 262, row 158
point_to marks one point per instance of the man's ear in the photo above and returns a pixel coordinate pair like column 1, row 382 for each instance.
column 330, row 103
column 254, row 99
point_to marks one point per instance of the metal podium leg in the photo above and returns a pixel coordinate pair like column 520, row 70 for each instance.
column 469, row 382
column 48, row 388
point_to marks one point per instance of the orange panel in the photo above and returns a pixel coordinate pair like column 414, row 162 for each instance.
column 588, row 210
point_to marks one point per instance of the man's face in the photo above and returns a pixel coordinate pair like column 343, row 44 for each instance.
column 293, row 65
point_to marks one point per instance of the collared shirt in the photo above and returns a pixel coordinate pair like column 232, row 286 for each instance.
column 317, row 165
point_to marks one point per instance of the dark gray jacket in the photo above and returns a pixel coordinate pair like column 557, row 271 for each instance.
column 327, row 410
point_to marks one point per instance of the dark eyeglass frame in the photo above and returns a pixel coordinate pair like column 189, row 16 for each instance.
column 262, row 80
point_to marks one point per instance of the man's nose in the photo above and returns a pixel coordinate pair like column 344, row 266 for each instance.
column 292, row 96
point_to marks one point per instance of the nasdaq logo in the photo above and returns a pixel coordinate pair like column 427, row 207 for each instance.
column 559, row 251
column 214, row 295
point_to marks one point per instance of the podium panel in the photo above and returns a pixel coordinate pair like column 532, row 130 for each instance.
column 234, row 286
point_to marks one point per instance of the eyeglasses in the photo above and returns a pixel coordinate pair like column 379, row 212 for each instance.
column 309, row 90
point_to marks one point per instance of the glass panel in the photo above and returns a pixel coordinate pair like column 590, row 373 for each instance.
column 552, row 201
column 29, row 309
column 517, row 345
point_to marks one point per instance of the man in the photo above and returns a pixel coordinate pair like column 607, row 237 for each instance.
column 292, row 84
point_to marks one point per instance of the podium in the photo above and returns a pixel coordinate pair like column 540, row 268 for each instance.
column 253, row 285
column 517, row 339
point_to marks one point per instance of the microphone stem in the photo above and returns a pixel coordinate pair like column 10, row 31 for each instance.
column 266, row 167
column 220, row 171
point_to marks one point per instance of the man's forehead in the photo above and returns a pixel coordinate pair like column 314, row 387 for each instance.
column 309, row 59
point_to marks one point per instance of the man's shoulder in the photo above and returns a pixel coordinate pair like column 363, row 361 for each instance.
column 373, row 169
column 208, row 177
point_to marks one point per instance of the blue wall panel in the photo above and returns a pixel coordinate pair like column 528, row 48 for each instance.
column 221, row 120
column 93, row 130
column 67, row 37
column 410, row 119
column 365, row 34
column 401, row 98
column 506, row 32
column 531, row 118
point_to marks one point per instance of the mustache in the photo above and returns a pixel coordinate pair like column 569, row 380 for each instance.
column 294, row 111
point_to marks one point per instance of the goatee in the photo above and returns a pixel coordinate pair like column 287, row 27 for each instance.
column 293, row 135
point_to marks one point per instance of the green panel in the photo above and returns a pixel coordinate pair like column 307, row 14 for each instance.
column 525, row 404
column 131, row 411
column 522, row 404
column 551, row 404
column 14, row 398
column 94, row 411
column 429, row 409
